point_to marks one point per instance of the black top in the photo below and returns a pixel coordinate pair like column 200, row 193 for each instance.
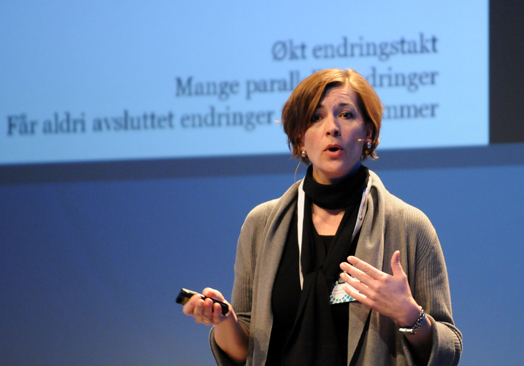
column 286, row 295
column 306, row 329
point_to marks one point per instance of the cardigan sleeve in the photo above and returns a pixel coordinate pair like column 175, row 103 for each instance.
column 430, row 288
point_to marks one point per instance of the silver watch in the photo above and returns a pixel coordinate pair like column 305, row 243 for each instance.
column 421, row 319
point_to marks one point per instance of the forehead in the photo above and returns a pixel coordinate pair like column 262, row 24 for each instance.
column 343, row 94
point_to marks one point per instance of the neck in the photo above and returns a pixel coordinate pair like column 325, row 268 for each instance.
column 326, row 221
column 337, row 179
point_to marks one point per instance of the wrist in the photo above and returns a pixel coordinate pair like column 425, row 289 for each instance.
column 410, row 316
column 416, row 325
column 230, row 319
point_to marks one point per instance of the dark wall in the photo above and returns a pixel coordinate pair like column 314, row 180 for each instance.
column 506, row 57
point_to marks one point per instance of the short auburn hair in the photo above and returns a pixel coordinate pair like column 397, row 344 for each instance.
column 298, row 111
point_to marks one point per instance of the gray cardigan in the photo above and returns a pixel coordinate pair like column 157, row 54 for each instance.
column 389, row 225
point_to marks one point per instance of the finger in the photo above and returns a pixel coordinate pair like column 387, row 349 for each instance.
column 208, row 309
column 364, row 267
column 215, row 294
column 199, row 308
column 356, row 273
column 348, row 268
column 359, row 296
column 396, row 267
column 217, row 314
column 206, row 315
column 355, row 283
column 189, row 307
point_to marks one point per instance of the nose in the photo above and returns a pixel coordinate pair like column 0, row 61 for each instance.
column 332, row 126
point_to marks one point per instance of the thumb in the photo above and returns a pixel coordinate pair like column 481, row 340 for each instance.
column 396, row 267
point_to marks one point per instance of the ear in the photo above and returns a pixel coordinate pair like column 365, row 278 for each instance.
column 301, row 143
column 369, row 131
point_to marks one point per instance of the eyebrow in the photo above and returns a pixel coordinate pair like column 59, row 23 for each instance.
column 320, row 106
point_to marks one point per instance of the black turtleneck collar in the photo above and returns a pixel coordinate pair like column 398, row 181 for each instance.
column 338, row 195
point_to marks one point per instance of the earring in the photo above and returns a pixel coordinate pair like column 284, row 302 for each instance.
column 304, row 154
column 369, row 145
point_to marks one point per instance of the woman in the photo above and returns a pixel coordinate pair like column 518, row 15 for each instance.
column 337, row 271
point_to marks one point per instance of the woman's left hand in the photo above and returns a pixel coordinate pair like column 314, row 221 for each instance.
column 387, row 294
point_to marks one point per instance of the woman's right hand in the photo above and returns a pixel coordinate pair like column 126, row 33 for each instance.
column 206, row 311
column 229, row 334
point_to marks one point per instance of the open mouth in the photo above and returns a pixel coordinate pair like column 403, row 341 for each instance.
column 333, row 149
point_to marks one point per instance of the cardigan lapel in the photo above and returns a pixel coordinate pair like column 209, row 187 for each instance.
column 270, row 253
column 275, row 237
column 268, row 260
column 370, row 249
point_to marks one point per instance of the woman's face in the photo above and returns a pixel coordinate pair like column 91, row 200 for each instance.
column 331, row 142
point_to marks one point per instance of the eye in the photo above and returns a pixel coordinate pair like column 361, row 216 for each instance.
column 316, row 117
column 347, row 114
